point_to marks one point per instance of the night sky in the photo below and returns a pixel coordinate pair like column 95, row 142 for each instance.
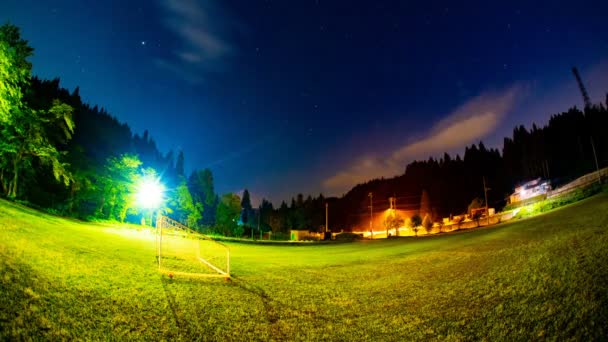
column 283, row 97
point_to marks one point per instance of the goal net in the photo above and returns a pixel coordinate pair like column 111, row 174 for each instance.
column 183, row 251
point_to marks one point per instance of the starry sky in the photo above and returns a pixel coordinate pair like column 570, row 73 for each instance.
column 287, row 97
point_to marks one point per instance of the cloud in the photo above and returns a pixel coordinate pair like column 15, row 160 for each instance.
column 201, row 28
column 178, row 70
column 468, row 123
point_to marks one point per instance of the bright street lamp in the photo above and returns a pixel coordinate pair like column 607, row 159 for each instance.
column 150, row 193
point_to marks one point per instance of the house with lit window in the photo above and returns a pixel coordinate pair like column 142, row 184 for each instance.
column 530, row 189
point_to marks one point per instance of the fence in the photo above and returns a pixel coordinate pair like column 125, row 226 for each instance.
column 580, row 183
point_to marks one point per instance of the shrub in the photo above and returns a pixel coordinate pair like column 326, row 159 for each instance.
column 416, row 221
column 427, row 223
column 280, row 236
column 348, row 236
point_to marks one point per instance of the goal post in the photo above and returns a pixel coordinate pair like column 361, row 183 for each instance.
column 183, row 251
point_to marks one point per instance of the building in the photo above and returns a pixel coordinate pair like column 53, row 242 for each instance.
column 530, row 189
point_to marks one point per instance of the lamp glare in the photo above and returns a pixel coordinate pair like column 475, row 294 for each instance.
column 150, row 194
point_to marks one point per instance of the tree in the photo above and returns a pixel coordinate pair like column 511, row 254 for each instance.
column 246, row 210
column 188, row 211
column 27, row 134
column 29, row 137
column 427, row 223
column 266, row 210
column 476, row 203
column 201, row 188
column 425, row 204
column 416, row 221
column 15, row 71
column 228, row 212
column 117, row 187
column 393, row 222
column 283, row 217
column 179, row 164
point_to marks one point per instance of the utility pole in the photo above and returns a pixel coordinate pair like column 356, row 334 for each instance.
column 597, row 166
column 395, row 208
column 371, row 215
column 485, row 191
column 259, row 217
column 392, row 209
column 326, row 217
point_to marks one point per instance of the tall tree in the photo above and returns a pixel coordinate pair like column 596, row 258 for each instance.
column 416, row 221
column 201, row 187
column 27, row 134
column 117, row 187
column 228, row 212
column 246, row 210
column 425, row 204
column 179, row 164
column 188, row 211
column 29, row 138
column 15, row 71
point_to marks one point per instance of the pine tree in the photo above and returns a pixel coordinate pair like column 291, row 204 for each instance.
column 246, row 210
column 179, row 164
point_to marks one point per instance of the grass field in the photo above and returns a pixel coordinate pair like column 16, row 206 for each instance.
column 541, row 278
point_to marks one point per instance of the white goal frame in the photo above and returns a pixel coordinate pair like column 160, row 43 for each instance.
column 178, row 229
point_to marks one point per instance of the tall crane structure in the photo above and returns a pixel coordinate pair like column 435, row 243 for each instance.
column 581, row 86
column 587, row 101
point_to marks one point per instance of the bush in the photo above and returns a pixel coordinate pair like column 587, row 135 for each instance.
column 280, row 236
column 556, row 202
column 348, row 236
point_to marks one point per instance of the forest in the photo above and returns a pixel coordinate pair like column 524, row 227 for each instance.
column 75, row 159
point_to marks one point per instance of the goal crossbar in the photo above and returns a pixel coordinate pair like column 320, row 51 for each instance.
column 170, row 229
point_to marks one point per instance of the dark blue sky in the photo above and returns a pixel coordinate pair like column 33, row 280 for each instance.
column 282, row 97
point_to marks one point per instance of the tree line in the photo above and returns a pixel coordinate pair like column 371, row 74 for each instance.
column 73, row 159
column 570, row 145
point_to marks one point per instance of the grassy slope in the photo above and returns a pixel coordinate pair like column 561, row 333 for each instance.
column 541, row 277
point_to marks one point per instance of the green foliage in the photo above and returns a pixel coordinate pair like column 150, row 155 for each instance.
column 117, row 187
column 15, row 72
column 201, row 188
column 228, row 213
column 27, row 134
column 189, row 212
column 558, row 201
column 32, row 135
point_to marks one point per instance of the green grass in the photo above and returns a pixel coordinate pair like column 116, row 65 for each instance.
column 541, row 278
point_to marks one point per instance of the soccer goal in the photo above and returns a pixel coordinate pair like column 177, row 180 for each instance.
column 183, row 251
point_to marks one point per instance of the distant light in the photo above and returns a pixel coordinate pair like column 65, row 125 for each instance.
column 150, row 193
